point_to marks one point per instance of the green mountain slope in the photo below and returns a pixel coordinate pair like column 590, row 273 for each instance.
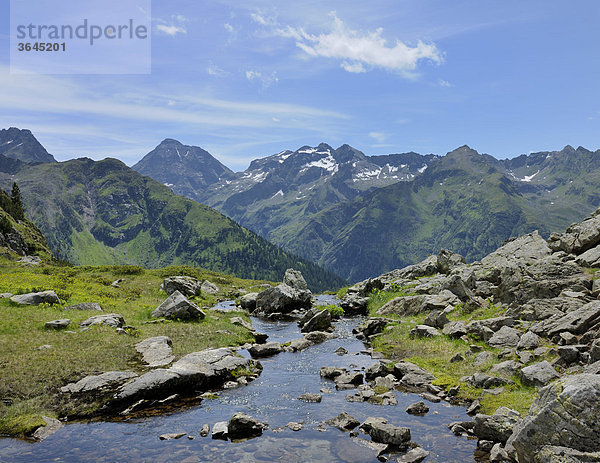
column 106, row 213
column 465, row 202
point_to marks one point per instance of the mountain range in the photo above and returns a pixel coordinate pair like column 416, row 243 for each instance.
column 361, row 215
column 103, row 212
column 355, row 215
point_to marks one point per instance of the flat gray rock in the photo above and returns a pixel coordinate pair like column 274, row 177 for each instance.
column 576, row 322
column 57, row 324
column 52, row 425
column 85, row 306
column 156, row 351
column 505, row 337
column 111, row 319
column 43, row 297
column 96, row 383
column 383, row 432
column 497, row 427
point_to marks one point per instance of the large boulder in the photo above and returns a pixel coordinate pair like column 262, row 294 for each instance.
column 57, row 324
column 43, row 297
column 565, row 414
column 265, row 350
column 497, row 427
column 579, row 237
column 575, row 322
column 248, row 301
column 448, row 260
column 343, row 421
column 285, row 297
column 242, row 426
column 505, row 337
column 538, row 374
column 177, row 306
column 412, row 376
column 209, row 287
column 195, row 372
column 413, row 305
column 187, row 286
column 381, row 431
column 319, row 322
column 95, row 384
column 556, row 454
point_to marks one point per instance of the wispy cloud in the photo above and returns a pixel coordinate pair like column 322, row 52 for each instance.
column 176, row 25
column 265, row 80
column 362, row 51
column 214, row 70
column 444, row 83
column 378, row 136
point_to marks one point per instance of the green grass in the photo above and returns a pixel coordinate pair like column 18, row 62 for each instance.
column 379, row 298
column 32, row 377
column 434, row 354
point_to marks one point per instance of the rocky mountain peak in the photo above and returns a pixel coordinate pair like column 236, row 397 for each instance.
column 20, row 144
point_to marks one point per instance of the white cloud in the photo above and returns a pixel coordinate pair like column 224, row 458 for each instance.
column 173, row 27
column 444, row 83
column 258, row 18
column 215, row 70
column 171, row 30
column 379, row 136
column 265, row 80
column 228, row 27
column 360, row 51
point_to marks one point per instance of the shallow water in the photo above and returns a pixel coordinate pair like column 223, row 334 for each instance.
column 272, row 398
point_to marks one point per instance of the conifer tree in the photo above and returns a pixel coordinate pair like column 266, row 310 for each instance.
column 15, row 195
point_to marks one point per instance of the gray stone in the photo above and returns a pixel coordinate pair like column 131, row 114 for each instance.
column 497, row 427
column 412, row 376
column 265, row 350
column 455, row 329
column 418, row 408
column 242, row 426
column 478, row 329
column 94, row 384
column 311, row 398
column 156, row 351
column 241, row 322
column 575, row 322
column 413, row 305
column 343, row 421
column 436, row 319
column 579, row 237
column 298, row 345
column 354, row 304
column 372, row 327
column 557, row 454
column 424, row 331
column 205, row 430
column 569, row 354
column 294, row 279
column 595, row 351
column 197, row 371
column 318, row 337
column 52, row 425
column 448, row 260
column 282, row 299
column 332, row 372
column 57, row 324
column 209, row 288
column 219, row 430
column 177, row 306
column 85, row 306
column 481, row 380
column 498, row 454
column 43, row 297
column 381, row 431
column 507, row 368
column 248, row 301
column 320, row 322
column 505, row 337
column 415, row 455
column 565, row 414
column 528, row 341
column 185, row 285
column 538, row 374
column 482, row 358
column 542, row 309
column 111, row 319
column 347, row 380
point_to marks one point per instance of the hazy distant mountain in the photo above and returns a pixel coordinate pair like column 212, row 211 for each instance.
column 187, row 170
column 22, row 145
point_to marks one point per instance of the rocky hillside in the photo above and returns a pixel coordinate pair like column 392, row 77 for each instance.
column 106, row 213
column 22, row 145
column 187, row 170
column 17, row 234
column 521, row 326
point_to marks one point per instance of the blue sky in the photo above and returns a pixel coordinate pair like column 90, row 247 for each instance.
column 246, row 79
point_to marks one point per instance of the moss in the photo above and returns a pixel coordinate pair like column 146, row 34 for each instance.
column 381, row 389
column 22, row 425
